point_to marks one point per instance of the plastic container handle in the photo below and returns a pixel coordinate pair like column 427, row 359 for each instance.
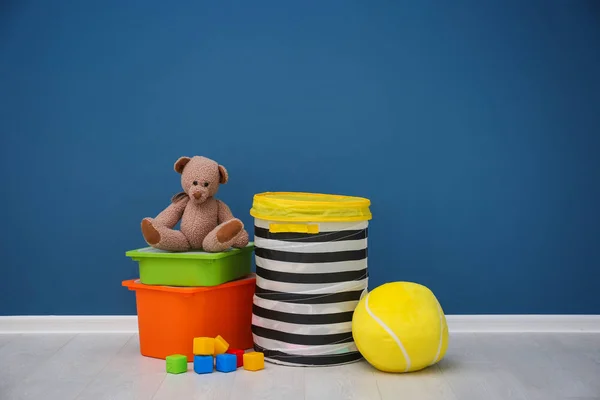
column 294, row 228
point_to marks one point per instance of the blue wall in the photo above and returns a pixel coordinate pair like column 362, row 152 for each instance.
column 473, row 128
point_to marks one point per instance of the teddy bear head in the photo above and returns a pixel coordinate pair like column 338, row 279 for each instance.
column 200, row 177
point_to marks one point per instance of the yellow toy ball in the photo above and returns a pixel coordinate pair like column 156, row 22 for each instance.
column 400, row 327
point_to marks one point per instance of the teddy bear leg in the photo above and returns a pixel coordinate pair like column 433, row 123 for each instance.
column 241, row 240
column 223, row 236
column 163, row 238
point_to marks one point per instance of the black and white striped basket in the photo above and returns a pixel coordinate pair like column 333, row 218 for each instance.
column 307, row 287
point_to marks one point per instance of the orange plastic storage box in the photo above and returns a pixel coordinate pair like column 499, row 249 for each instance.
column 169, row 318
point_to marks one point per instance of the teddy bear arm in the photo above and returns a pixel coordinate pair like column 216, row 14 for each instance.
column 224, row 213
column 173, row 213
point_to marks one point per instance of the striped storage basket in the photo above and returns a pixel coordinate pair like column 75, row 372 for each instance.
column 311, row 271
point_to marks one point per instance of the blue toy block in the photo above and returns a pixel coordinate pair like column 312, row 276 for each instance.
column 226, row 362
column 203, row 364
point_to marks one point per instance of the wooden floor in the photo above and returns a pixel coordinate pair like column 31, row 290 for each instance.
column 477, row 366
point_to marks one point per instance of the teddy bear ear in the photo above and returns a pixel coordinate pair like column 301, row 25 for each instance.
column 181, row 163
column 223, row 176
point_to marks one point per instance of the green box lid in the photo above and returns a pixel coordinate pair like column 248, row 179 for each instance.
column 151, row 252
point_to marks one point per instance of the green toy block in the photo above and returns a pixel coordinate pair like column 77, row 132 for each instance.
column 176, row 364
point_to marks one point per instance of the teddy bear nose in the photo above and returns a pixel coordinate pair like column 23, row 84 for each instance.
column 197, row 195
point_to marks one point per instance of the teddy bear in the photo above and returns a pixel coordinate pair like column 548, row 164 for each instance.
column 206, row 223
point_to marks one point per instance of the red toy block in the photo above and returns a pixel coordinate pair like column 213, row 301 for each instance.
column 239, row 354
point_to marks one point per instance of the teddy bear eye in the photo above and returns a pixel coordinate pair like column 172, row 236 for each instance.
column 205, row 184
column 195, row 183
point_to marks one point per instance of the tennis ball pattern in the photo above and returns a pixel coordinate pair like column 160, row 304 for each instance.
column 400, row 327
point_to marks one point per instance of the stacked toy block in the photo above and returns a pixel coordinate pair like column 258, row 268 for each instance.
column 215, row 353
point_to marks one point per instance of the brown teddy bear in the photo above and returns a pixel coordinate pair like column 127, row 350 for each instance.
column 206, row 223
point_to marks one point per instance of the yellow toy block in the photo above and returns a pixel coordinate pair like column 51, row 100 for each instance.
column 254, row 361
column 221, row 345
column 204, row 346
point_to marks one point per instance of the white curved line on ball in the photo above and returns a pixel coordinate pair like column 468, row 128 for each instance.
column 390, row 332
column 439, row 350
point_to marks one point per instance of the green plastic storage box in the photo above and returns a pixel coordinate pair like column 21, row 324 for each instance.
column 192, row 268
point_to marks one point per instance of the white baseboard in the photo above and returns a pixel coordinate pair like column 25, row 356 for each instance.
column 69, row 324
column 523, row 323
column 456, row 324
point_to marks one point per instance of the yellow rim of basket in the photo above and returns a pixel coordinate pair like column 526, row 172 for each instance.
column 309, row 207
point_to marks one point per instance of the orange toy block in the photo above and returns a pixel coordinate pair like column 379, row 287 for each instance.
column 254, row 361
column 204, row 346
column 221, row 345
